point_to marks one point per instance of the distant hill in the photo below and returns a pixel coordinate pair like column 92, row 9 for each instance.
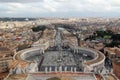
column 16, row 19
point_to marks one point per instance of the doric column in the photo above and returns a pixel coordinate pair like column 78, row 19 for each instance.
column 43, row 51
column 77, row 50
column 46, row 69
column 74, row 69
column 50, row 69
column 60, row 68
column 55, row 69
column 71, row 69
column 65, row 68
column 74, row 50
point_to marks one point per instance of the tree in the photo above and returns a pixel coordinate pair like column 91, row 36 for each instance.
column 39, row 28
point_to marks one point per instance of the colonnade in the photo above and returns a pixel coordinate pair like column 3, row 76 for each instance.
column 59, row 69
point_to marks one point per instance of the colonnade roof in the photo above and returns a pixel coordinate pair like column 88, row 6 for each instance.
column 100, row 56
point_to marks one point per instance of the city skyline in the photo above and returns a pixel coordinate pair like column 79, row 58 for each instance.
column 59, row 8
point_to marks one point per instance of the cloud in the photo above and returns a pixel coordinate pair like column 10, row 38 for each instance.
column 59, row 7
column 20, row 1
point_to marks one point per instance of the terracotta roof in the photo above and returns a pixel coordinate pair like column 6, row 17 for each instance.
column 22, row 64
column 17, row 77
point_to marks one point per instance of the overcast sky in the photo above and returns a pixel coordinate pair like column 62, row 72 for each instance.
column 59, row 8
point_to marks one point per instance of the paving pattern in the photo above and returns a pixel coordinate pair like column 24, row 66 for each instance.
column 52, row 58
